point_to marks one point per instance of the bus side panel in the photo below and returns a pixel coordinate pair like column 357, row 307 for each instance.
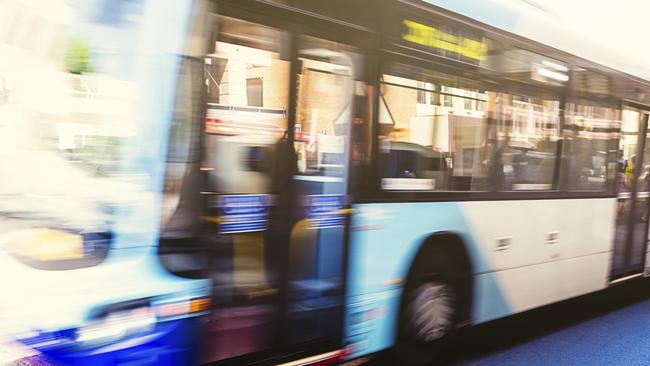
column 385, row 237
column 524, row 254
column 557, row 249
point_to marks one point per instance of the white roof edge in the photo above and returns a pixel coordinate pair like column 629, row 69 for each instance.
column 530, row 21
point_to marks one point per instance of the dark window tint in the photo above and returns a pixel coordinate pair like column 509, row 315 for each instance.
column 591, row 139
column 528, row 132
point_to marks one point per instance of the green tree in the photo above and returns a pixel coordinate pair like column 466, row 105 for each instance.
column 77, row 57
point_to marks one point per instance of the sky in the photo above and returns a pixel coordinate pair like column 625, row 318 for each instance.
column 623, row 26
column 612, row 33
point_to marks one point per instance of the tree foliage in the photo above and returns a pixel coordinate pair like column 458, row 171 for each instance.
column 77, row 57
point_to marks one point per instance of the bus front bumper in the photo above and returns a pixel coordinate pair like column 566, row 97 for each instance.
column 167, row 343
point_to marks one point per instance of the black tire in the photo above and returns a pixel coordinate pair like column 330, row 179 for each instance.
column 429, row 313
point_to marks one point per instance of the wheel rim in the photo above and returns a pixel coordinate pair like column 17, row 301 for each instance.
column 432, row 310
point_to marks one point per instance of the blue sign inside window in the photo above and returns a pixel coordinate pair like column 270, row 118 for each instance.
column 243, row 213
column 325, row 210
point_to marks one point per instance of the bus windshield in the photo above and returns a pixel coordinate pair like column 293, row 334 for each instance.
column 66, row 111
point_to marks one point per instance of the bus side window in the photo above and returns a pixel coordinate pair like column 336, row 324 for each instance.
column 592, row 133
column 528, row 141
column 419, row 135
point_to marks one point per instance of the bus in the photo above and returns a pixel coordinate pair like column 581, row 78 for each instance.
column 84, row 94
column 310, row 182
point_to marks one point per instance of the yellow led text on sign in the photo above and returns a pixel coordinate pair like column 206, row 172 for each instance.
column 433, row 37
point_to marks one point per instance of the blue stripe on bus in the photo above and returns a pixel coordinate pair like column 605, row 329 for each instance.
column 384, row 240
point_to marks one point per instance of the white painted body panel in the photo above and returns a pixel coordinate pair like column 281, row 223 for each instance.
column 533, row 272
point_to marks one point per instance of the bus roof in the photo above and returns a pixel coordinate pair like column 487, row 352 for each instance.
column 529, row 20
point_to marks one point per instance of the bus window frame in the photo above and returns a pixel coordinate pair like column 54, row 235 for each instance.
column 489, row 80
column 499, row 84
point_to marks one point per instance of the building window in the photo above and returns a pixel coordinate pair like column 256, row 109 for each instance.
column 467, row 104
column 446, row 100
column 424, row 95
column 254, row 92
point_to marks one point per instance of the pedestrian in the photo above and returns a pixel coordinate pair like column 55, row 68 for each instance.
column 629, row 172
column 621, row 185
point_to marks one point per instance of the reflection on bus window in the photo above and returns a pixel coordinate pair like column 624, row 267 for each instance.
column 592, row 133
column 248, row 82
column 324, row 109
column 629, row 134
column 432, row 144
column 528, row 133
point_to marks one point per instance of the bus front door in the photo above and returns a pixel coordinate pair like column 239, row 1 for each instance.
column 327, row 88
column 275, row 171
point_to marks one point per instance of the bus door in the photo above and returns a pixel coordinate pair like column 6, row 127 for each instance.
column 275, row 171
column 633, row 189
column 327, row 89
column 246, row 75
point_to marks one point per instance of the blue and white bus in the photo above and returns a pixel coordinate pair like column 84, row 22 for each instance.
column 86, row 93
column 302, row 182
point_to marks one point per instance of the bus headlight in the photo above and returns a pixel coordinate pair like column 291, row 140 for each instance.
column 116, row 326
column 130, row 319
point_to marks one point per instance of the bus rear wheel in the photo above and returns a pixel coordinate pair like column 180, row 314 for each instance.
column 430, row 312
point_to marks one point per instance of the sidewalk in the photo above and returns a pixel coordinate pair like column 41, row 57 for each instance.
column 12, row 353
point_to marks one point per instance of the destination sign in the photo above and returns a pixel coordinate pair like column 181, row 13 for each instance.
column 433, row 37
column 243, row 213
column 325, row 211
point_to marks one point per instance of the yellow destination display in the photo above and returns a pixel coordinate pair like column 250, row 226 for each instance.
column 434, row 37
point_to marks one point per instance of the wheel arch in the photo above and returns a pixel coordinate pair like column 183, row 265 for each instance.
column 444, row 253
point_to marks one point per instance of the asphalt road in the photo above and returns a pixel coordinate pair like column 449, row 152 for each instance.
column 611, row 327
